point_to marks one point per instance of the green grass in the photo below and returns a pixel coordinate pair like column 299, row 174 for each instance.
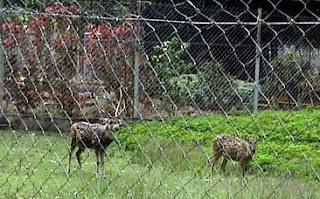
column 291, row 146
column 33, row 165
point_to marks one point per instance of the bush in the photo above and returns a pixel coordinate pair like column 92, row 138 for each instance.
column 292, row 70
column 183, row 88
column 172, row 71
column 213, row 87
column 220, row 90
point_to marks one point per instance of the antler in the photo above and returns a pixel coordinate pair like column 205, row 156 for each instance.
column 117, row 112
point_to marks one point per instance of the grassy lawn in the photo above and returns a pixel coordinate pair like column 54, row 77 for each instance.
column 33, row 165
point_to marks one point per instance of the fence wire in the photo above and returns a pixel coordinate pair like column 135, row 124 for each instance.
column 184, row 75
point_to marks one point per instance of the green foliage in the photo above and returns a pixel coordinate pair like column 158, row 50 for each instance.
column 291, row 69
column 218, row 87
column 213, row 86
column 183, row 87
column 292, row 142
column 209, row 86
column 169, row 58
column 173, row 71
column 21, row 17
column 245, row 89
column 113, row 7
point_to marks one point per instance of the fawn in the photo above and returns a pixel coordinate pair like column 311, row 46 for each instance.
column 233, row 148
column 95, row 136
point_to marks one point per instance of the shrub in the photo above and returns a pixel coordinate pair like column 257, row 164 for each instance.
column 183, row 88
column 215, row 87
column 46, row 55
column 173, row 74
column 292, row 70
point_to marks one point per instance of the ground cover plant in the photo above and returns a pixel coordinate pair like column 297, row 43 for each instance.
column 169, row 160
column 291, row 143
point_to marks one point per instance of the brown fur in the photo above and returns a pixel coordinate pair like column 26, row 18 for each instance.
column 95, row 136
column 233, row 148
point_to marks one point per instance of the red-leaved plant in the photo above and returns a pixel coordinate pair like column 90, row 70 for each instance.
column 43, row 57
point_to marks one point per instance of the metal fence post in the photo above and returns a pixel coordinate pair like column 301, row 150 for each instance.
column 137, row 65
column 1, row 59
column 257, row 63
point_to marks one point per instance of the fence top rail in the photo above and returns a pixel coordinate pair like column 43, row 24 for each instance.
column 187, row 21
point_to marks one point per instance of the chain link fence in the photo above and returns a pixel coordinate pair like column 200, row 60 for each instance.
column 187, row 73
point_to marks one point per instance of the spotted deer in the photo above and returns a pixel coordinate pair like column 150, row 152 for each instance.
column 95, row 136
column 233, row 148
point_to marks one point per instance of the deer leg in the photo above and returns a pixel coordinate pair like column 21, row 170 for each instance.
column 243, row 168
column 102, row 162
column 101, row 167
column 223, row 164
column 215, row 158
column 78, row 154
column 98, row 163
column 72, row 147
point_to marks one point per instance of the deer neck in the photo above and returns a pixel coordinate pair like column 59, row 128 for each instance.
column 106, row 127
column 108, row 134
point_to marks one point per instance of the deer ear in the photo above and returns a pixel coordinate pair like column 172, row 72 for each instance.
column 257, row 139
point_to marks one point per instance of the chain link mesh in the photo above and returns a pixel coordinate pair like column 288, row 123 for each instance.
column 189, row 71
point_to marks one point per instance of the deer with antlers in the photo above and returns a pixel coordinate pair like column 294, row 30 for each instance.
column 95, row 136
column 233, row 148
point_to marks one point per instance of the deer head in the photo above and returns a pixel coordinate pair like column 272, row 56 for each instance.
column 253, row 142
column 114, row 122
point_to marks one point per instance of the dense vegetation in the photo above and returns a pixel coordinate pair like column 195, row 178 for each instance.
column 291, row 145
